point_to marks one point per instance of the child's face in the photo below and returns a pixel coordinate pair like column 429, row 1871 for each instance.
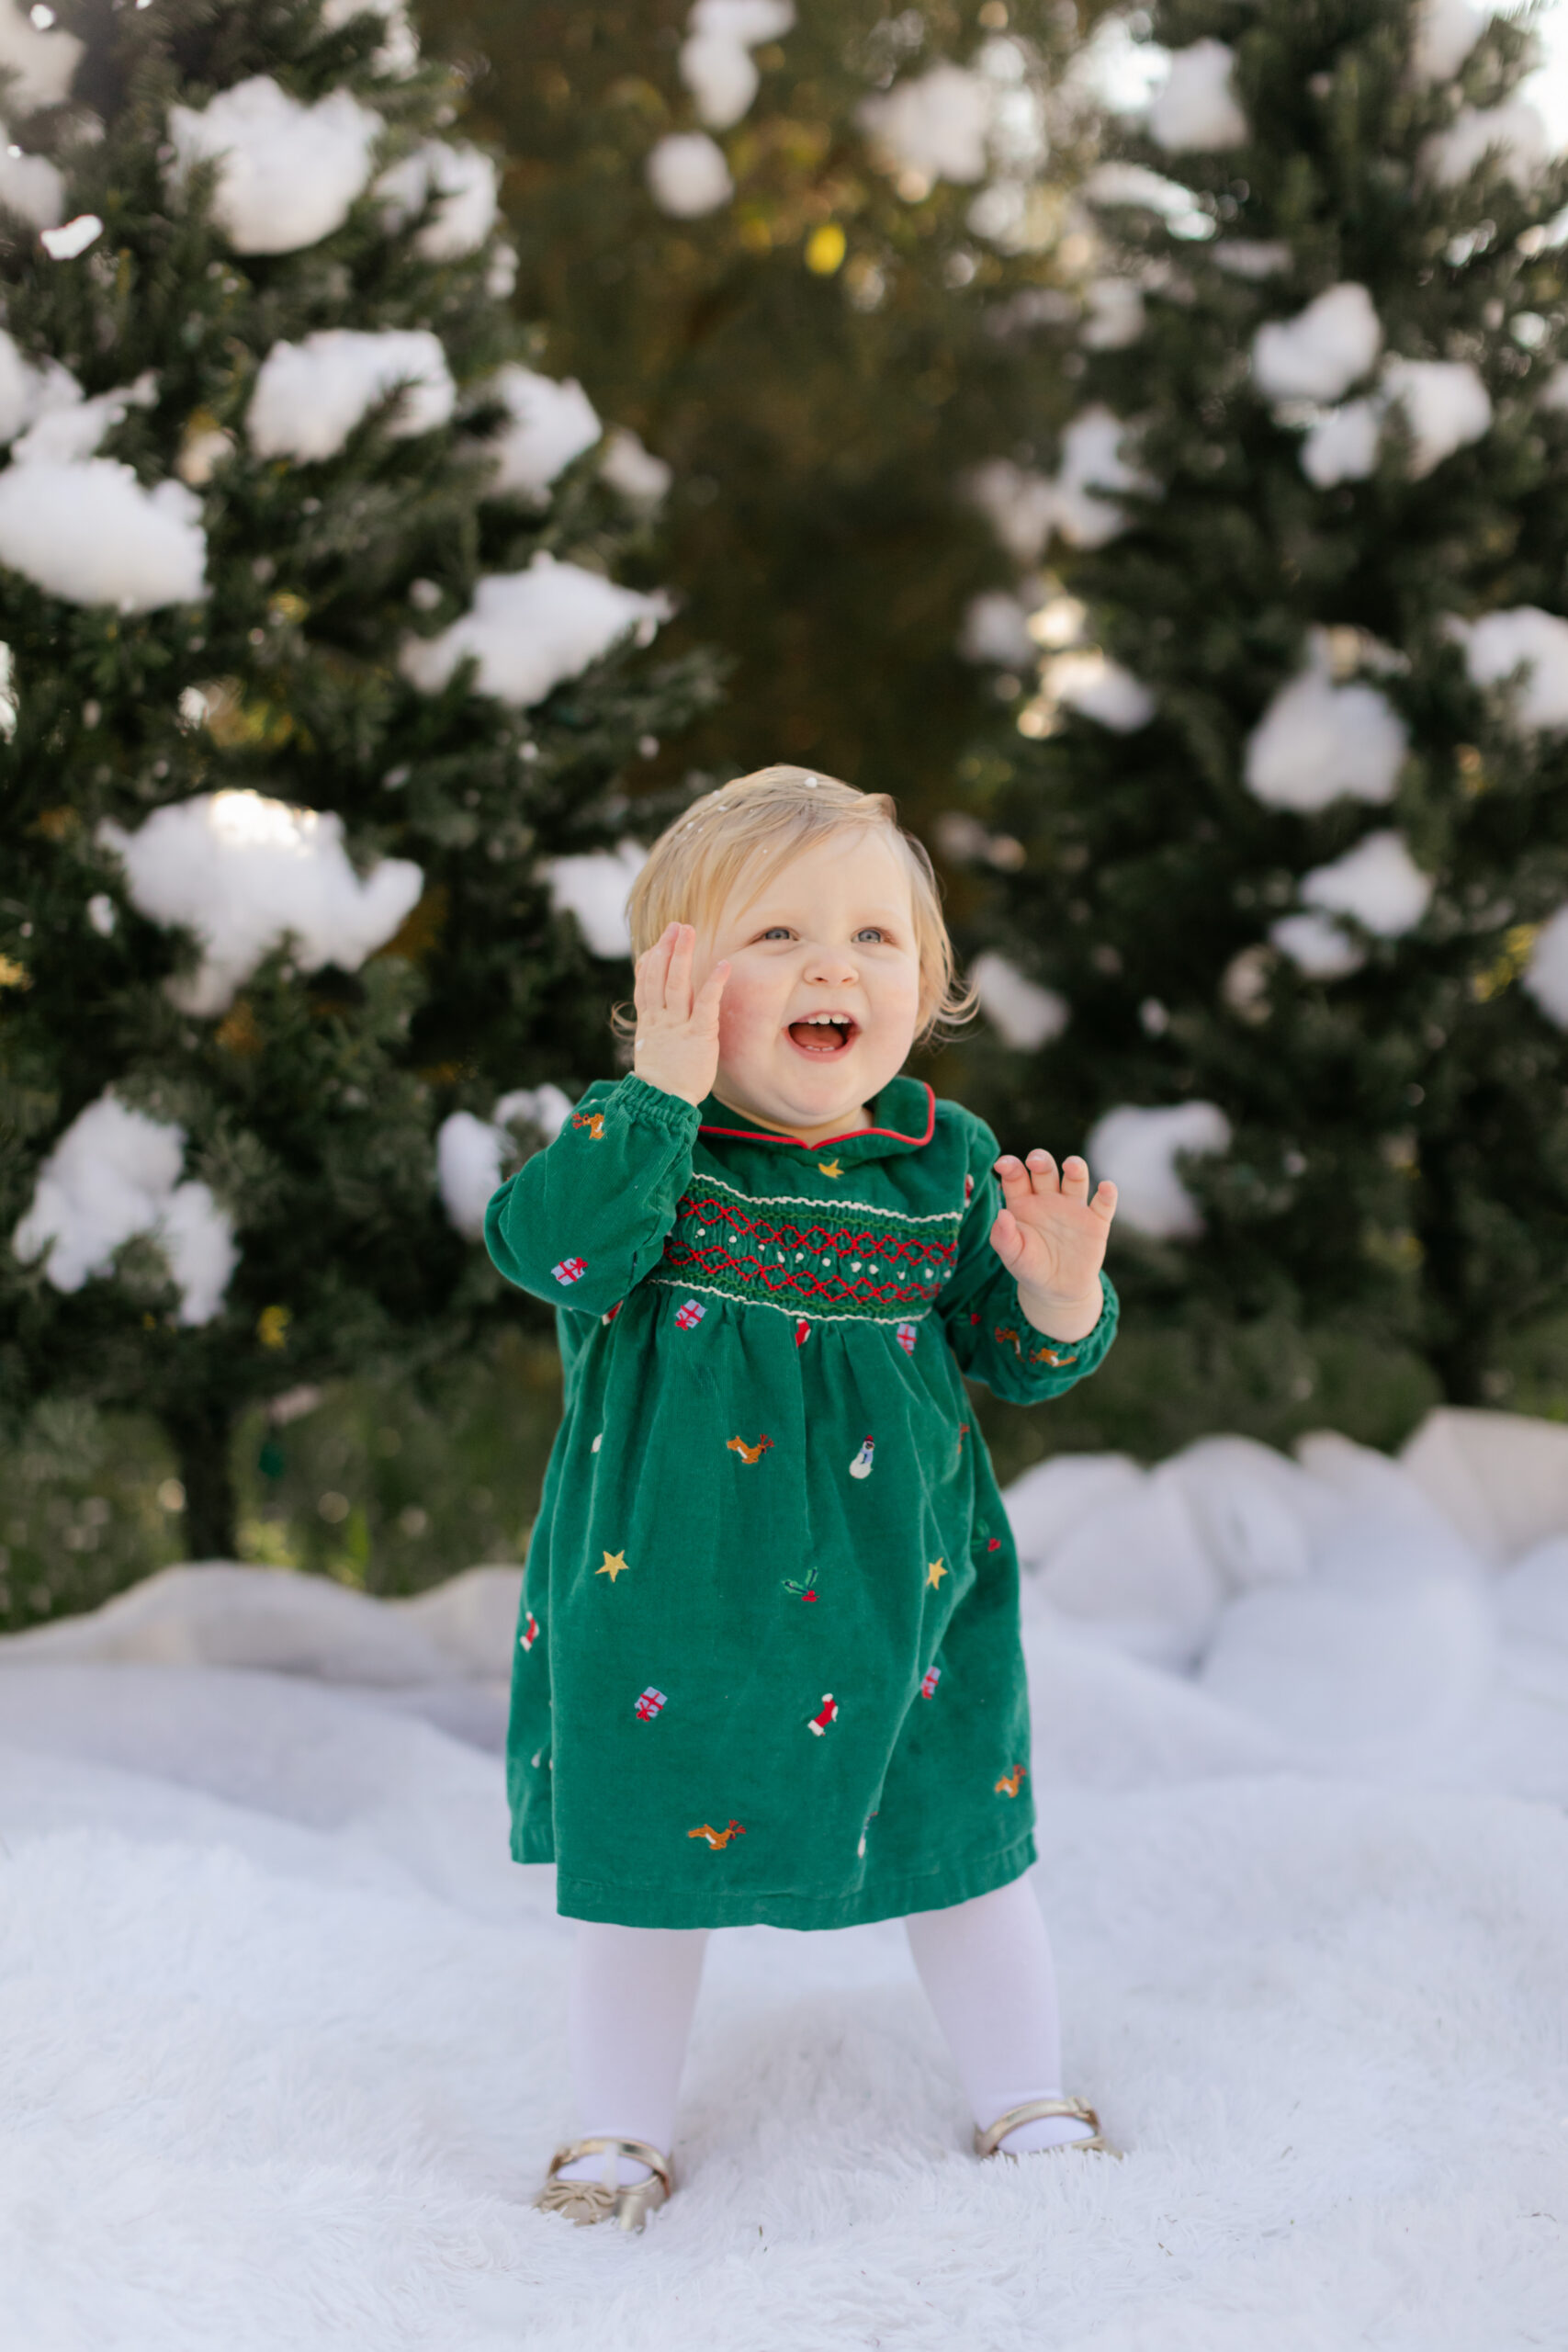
column 833, row 931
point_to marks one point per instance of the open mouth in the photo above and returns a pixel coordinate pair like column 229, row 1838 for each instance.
column 823, row 1034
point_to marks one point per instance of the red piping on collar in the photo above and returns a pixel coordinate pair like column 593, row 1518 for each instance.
column 759, row 1135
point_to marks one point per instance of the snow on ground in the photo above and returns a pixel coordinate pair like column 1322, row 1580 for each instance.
column 283, row 2044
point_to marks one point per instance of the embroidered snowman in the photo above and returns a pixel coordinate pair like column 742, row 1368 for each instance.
column 860, row 1467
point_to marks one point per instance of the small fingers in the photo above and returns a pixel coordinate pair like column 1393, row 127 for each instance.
column 1014, row 1179
column 1105, row 1199
column 705, row 1012
column 1075, row 1178
column 648, row 973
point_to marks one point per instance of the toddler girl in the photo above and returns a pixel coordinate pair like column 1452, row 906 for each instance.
column 768, row 1664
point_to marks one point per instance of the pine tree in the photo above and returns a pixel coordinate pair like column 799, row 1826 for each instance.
column 802, row 250
column 1288, row 944
column 310, row 682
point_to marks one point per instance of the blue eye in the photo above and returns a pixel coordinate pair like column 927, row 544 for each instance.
column 776, row 927
column 871, row 931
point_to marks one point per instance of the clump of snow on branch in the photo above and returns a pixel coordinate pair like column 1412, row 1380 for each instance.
column 550, row 424
column 1514, row 134
column 32, row 186
column 114, row 1176
column 715, row 62
column 632, row 471
column 461, row 186
column 594, row 888
column 29, row 387
column 1377, row 883
column 1090, row 682
column 1546, row 975
column 71, row 427
column 934, row 125
column 1317, row 741
column 245, row 873
column 286, row 174
column 1025, row 507
column 41, row 57
column 91, row 534
column 1446, row 32
column 399, row 52
column 530, row 630
column 1133, row 184
column 1197, row 109
column 470, row 1152
column 1319, row 354
column 310, row 396
column 1444, row 403
column 1524, row 636
column 1251, row 257
column 996, row 628
column 1318, row 945
column 1024, row 1014
column 1115, row 318
column 1137, row 1149
column 687, row 174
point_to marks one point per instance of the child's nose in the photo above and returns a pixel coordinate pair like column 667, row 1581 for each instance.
column 834, row 965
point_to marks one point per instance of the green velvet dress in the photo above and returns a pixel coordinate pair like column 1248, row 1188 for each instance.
column 768, row 1664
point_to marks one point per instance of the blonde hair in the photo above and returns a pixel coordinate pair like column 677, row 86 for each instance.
column 752, row 827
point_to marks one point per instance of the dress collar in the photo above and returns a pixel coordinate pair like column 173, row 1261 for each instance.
column 903, row 1118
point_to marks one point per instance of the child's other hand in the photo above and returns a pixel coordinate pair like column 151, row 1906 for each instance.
column 677, row 1034
column 1051, row 1238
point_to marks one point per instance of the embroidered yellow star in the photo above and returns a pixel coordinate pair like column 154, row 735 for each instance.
column 614, row 1563
column 935, row 1571
column 828, row 1168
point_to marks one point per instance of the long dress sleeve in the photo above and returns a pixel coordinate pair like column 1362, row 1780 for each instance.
column 586, row 1218
column 987, row 1328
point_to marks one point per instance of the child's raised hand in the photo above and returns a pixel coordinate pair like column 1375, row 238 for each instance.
column 1051, row 1238
column 677, row 1033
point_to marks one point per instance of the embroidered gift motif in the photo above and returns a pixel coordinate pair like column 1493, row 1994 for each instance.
column 906, row 1335
column 571, row 1270
column 929, row 1681
column 689, row 1314
column 1011, row 1782
column 827, row 1713
column 717, row 1837
column 649, row 1704
column 747, row 1452
column 778, row 1253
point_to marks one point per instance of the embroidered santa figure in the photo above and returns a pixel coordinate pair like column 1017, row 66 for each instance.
column 827, row 1714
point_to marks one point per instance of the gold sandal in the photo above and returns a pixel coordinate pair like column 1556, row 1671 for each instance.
column 988, row 2143
column 627, row 2204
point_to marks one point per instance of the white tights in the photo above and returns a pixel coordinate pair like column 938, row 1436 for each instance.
column 986, row 1970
